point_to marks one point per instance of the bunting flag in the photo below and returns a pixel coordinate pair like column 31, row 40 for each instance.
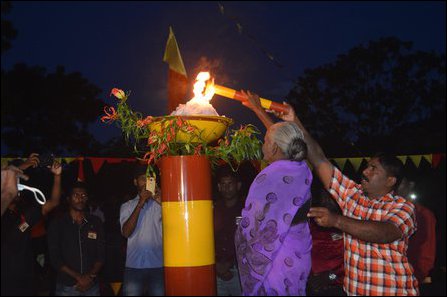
column 436, row 159
column 81, row 169
column 356, row 162
column 403, row 159
column 116, row 286
column 69, row 160
column 97, row 164
column 340, row 162
column 177, row 78
column 5, row 161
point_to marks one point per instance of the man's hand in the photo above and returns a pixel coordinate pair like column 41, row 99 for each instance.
column 145, row 195
column 323, row 217
column 84, row 283
column 56, row 168
column 32, row 161
column 288, row 116
column 9, row 185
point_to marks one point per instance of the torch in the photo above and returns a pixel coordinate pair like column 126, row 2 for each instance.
column 237, row 95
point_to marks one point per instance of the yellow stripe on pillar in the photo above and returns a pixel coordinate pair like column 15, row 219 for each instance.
column 188, row 238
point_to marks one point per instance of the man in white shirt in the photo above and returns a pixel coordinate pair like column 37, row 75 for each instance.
column 141, row 224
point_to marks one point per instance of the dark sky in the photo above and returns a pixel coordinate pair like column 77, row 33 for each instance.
column 121, row 44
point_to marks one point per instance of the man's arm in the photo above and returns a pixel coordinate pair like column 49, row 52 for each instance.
column 315, row 155
column 131, row 223
column 56, row 192
column 31, row 161
column 370, row 231
column 9, row 185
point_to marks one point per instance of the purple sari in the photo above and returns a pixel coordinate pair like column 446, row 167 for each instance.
column 274, row 256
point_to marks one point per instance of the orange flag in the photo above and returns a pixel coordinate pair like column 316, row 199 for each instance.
column 177, row 79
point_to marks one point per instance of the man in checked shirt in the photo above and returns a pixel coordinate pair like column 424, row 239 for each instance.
column 376, row 223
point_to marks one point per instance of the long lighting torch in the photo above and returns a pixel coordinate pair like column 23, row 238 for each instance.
column 237, row 95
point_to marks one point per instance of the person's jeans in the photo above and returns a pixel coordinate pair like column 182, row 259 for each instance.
column 62, row 290
column 140, row 282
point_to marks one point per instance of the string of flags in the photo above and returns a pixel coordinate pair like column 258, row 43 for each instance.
column 97, row 162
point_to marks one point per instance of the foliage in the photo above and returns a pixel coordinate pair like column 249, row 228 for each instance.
column 154, row 143
column 8, row 31
column 48, row 112
column 375, row 92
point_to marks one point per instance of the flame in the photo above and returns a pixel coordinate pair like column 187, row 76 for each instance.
column 203, row 93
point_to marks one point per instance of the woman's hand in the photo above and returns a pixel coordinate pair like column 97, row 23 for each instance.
column 252, row 101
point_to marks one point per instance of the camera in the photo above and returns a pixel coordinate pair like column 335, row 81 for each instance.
column 46, row 160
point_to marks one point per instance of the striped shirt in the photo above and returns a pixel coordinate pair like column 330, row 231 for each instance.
column 371, row 268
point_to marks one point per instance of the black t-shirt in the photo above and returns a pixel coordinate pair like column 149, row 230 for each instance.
column 17, row 254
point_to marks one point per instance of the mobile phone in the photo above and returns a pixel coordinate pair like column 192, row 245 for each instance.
column 150, row 184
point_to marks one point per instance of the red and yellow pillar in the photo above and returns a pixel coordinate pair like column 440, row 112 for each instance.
column 188, row 233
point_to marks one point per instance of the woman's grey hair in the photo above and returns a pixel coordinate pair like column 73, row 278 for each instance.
column 290, row 139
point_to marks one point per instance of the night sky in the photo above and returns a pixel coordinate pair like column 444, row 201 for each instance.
column 121, row 44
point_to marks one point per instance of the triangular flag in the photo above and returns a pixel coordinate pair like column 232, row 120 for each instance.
column 81, row 169
column 116, row 286
column 427, row 158
column 69, row 160
column 177, row 78
column 340, row 162
column 96, row 163
column 436, row 159
column 5, row 161
column 416, row 159
column 356, row 162
column 402, row 158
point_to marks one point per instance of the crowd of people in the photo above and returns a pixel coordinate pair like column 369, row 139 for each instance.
column 297, row 227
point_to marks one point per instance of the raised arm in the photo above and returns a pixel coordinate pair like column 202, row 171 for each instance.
column 56, row 192
column 9, row 185
column 322, row 166
column 252, row 102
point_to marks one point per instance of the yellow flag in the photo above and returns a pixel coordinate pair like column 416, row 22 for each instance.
column 416, row 159
column 177, row 78
column 356, row 163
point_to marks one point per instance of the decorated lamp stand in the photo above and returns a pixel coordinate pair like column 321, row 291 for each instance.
column 182, row 147
column 188, row 236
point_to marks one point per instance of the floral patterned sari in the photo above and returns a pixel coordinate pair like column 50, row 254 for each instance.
column 274, row 255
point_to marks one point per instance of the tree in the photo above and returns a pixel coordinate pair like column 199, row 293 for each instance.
column 48, row 112
column 376, row 97
column 8, row 31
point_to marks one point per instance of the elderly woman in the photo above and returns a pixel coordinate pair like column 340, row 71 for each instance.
column 273, row 241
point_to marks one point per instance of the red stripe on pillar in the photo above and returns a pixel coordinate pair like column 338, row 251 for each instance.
column 185, row 178
column 190, row 281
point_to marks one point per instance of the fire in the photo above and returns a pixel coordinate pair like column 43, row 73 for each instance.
column 202, row 94
column 200, row 103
